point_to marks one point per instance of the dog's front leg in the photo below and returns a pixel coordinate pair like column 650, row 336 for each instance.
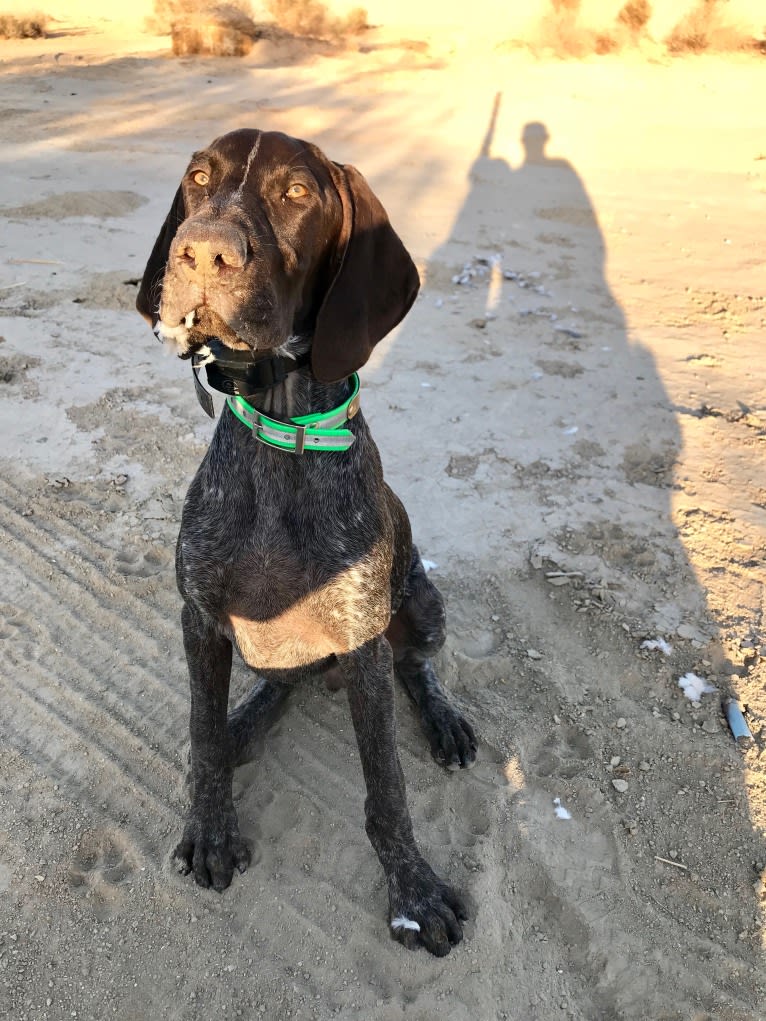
column 211, row 846
column 423, row 910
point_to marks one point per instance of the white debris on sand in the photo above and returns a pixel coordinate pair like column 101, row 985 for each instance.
column 561, row 812
column 694, row 686
column 428, row 565
column 657, row 643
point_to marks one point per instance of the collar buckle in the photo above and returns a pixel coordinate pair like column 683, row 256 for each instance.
column 300, row 439
column 353, row 405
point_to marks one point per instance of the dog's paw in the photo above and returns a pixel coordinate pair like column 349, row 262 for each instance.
column 451, row 736
column 424, row 910
column 211, row 850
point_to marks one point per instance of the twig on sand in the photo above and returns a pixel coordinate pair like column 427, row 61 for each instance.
column 35, row 262
column 667, row 861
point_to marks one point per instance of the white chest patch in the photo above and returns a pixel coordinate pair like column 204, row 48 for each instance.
column 334, row 619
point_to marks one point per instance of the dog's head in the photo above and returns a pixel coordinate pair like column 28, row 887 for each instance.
column 268, row 239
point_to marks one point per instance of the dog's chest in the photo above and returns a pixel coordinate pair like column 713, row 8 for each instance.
column 279, row 629
column 293, row 558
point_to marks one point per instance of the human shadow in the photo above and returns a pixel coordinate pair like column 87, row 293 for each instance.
column 542, row 488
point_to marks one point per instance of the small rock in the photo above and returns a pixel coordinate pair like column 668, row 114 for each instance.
column 620, row 785
column 644, row 766
column 615, row 760
column 710, row 727
column 690, row 633
column 534, row 654
column 621, row 723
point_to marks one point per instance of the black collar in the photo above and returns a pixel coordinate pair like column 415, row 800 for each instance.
column 240, row 373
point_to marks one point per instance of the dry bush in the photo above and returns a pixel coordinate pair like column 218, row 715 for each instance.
column 692, row 33
column 227, row 28
column 605, row 42
column 564, row 29
column 706, row 27
column 220, row 29
column 634, row 15
column 311, row 18
column 23, row 26
column 630, row 27
column 170, row 12
column 582, row 28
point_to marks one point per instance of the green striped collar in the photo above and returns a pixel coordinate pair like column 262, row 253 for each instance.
column 323, row 431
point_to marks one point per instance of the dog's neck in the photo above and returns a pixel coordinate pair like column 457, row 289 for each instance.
column 296, row 393
column 301, row 394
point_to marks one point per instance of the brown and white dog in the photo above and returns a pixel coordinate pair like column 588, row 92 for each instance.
column 304, row 563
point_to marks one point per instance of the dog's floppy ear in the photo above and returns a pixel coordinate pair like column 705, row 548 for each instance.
column 372, row 290
column 150, row 291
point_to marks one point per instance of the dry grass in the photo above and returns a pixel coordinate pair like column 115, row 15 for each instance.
column 568, row 29
column 23, row 26
column 312, row 18
column 169, row 12
column 207, row 27
column 227, row 29
column 634, row 15
column 220, row 31
column 706, row 27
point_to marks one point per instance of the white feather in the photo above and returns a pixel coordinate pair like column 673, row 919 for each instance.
column 657, row 643
column 561, row 812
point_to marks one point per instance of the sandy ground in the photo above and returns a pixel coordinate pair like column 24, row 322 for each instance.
column 574, row 414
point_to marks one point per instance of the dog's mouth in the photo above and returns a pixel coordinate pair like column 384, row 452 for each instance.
column 196, row 330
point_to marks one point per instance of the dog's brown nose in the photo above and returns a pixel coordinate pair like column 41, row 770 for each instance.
column 211, row 247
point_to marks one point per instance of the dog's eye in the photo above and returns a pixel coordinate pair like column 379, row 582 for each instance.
column 297, row 191
column 200, row 178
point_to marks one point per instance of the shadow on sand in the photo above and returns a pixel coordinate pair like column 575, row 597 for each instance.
column 556, row 459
